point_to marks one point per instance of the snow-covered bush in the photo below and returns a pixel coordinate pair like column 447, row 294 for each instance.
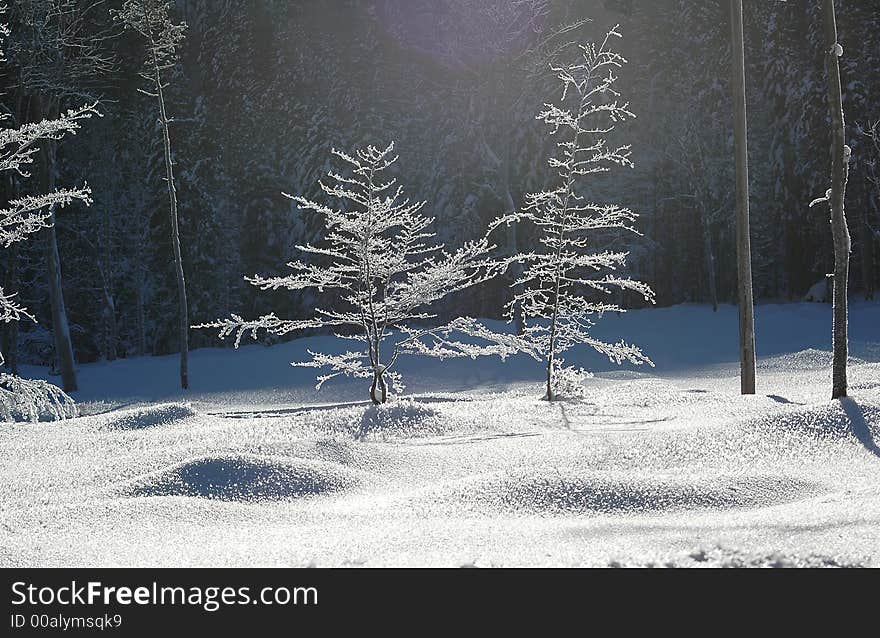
column 33, row 400
column 20, row 218
column 380, row 260
column 554, row 294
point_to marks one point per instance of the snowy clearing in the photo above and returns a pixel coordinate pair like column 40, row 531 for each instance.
column 656, row 466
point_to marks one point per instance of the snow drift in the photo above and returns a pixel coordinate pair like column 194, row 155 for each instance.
column 245, row 478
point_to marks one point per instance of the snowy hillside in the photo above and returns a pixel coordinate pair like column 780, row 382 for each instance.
column 658, row 466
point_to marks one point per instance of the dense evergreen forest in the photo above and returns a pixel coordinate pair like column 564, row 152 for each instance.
column 264, row 89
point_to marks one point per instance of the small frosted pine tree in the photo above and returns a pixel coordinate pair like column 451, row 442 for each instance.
column 381, row 262
column 20, row 218
column 553, row 296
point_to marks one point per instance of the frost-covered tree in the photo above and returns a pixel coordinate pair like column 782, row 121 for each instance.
column 554, row 292
column 385, row 271
column 152, row 20
column 20, row 218
column 58, row 53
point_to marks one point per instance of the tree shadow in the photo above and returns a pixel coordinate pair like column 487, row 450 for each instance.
column 469, row 438
column 279, row 412
column 783, row 400
column 859, row 425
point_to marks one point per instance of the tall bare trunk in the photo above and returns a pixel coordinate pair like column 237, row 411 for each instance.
column 110, row 326
column 743, row 243
column 866, row 239
column 10, row 285
column 60, row 325
column 840, row 153
column 10, row 345
column 710, row 263
column 140, row 320
column 175, row 236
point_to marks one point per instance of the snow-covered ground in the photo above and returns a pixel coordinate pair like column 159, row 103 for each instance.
column 659, row 466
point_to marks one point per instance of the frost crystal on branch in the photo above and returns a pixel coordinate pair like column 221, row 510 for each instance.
column 554, row 295
column 381, row 262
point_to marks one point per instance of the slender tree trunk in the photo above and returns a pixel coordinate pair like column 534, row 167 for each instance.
column 60, row 325
column 105, row 261
column 110, row 335
column 175, row 237
column 10, row 285
column 10, row 347
column 840, row 153
column 140, row 320
column 866, row 239
column 873, row 222
column 743, row 242
column 551, row 354
column 710, row 263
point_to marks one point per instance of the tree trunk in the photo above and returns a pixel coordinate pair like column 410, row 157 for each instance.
column 866, row 239
column 175, row 239
column 743, row 242
column 10, row 286
column 105, row 261
column 710, row 263
column 110, row 328
column 874, row 235
column 550, row 396
column 141, row 321
column 379, row 389
column 840, row 153
column 10, row 347
column 60, row 326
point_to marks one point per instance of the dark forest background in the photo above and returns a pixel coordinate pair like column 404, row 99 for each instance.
column 265, row 88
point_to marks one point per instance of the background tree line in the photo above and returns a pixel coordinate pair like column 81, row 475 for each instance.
column 265, row 88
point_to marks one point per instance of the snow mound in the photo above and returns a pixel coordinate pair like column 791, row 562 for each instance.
column 246, row 478
column 149, row 417
column 566, row 494
column 402, row 417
